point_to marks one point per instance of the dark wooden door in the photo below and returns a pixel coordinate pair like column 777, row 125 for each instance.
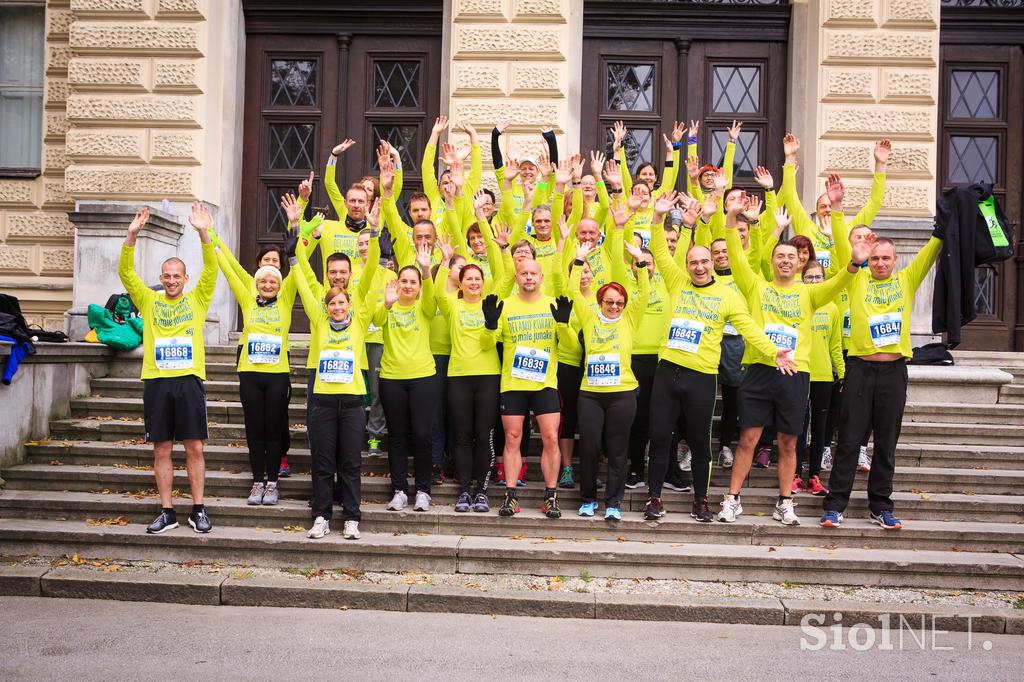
column 980, row 140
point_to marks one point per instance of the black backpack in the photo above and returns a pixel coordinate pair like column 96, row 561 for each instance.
column 12, row 322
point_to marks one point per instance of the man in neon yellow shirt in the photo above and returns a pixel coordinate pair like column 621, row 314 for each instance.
column 881, row 303
column 173, row 365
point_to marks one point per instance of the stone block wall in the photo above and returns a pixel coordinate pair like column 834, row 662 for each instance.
column 519, row 60
column 36, row 237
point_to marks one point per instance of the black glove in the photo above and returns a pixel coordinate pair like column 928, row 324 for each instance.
column 561, row 309
column 492, row 311
column 939, row 231
column 291, row 241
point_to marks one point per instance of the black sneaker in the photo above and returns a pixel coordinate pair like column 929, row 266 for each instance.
column 510, row 506
column 634, row 480
column 550, row 508
column 655, row 509
column 166, row 521
column 200, row 522
column 701, row 512
column 674, row 481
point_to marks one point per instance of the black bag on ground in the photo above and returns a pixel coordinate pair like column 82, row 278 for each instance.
column 932, row 354
column 12, row 322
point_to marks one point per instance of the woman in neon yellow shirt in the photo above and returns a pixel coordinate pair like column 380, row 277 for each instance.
column 607, row 400
column 407, row 371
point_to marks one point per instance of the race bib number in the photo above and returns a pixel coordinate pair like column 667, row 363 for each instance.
column 645, row 238
column 264, row 349
column 530, row 364
column 336, row 367
column 730, row 330
column 604, row 370
column 173, row 352
column 783, row 336
column 684, row 334
column 824, row 258
column 846, row 324
column 885, row 329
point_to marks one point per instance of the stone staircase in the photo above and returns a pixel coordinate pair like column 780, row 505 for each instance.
column 1013, row 363
column 959, row 488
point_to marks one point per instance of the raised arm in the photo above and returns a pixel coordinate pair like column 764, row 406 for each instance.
column 427, row 171
column 330, row 181
column 867, row 213
column 636, row 308
column 670, row 271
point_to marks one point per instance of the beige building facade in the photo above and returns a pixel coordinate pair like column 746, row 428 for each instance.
column 152, row 102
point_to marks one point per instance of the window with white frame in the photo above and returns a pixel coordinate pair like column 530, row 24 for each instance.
column 21, row 86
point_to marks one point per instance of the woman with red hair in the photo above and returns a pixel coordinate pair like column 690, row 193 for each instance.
column 607, row 401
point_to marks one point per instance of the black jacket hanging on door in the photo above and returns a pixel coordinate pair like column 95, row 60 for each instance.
column 975, row 232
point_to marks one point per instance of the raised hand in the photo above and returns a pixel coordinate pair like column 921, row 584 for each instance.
column 620, row 217
column 387, row 179
column 576, row 164
column 791, row 147
column 139, row 222
column 618, row 133
column 596, row 164
column 373, row 216
column 667, row 142
column 638, row 199
column 291, row 242
column 709, row 206
column 561, row 309
column 693, row 169
column 883, row 148
column 457, row 169
column 423, row 254
column 563, row 228
column 503, row 126
column 440, row 125
column 584, row 249
column 782, row 219
column 466, row 127
column 734, row 204
column 764, row 178
column 479, row 201
column 691, row 209
column 721, row 182
column 694, row 128
column 753, row 209
column 664, row 203
column 563, row 174
column 289, row 205
column 836, row 191
column 862, row 249
column 444, row 243
column 633, row 250
column 343, row 146
column 543, row 165
column 825, row 224
column 390, row 293
column 448, row 155
column 306, row 187
column 734, row 131
column 511, row 169
column 502, row 233
column 491, row 308
column 612, row 174
column 677, row 131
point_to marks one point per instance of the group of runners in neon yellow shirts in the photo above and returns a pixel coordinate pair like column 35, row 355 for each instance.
column 602, row 306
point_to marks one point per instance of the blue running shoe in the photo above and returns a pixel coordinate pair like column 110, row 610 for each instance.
column 588, row 508
column 886, row 520
column 831, row 519
column 612, row 514
column 566, row 480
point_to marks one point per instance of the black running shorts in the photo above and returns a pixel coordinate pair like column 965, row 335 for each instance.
column 521, row 403
column 175, row 409
column 767, row 397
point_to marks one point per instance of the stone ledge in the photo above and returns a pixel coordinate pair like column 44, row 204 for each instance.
column 690, row 609
column 955, row 385
column 437, row 599
column 21, row 581
column 63, row 353
column 263, row 591
column 918, row 617
column 163, row 587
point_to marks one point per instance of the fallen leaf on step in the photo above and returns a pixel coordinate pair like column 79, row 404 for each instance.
column 56, row 463
column 112, row 569
column 192, row 563
column 108, row 522
column 295, row 529
column 103, row 418
column 241, row 575
column 621, row 539
column 76, row 560
column 970, row 492
column 41, row 441
column 518, row 537
column 771, row 549
column 926, row 497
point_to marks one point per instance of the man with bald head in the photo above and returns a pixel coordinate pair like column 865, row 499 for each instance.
column 685, row 380
column 881, row 302
column 526, row 326
column 173, row 365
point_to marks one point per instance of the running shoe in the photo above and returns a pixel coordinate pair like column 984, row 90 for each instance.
column 550, row 507
column 588, row 508
column 270, row 494
column 785, row 513
column 826, row 457
column 685, row 464
column 256, row 494
column 351, row 531
column 831, row 519
column 480, row 504
column 815, row 487
column 725, row 458
column 731, row 508
column 284, row 471
column 634, row 480
column 199, row 521
column 320, row 528
column 373, row 446
column 462, row 504
column 701, row 512
column 798, row 485
column 566, row 480
column 422, row 502
column 762, row 457
column 674, row 481
column 398, row 502
column 654, row 509
column 164, row 522
column 499, row 477
column 863, row 463
column 886, row 520
column 612, row 514
column 510, row 506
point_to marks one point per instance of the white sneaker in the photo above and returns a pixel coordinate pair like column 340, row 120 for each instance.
column 725, row 458
column 398, row 502
column 863, row 463
column 422, row 501
column 685, row 464
column 826, row 457
column 351, row 531
column 321, row 527
column 731, row 508
column 785, row 514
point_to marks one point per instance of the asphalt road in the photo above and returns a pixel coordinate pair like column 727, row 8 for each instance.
column 106, row 640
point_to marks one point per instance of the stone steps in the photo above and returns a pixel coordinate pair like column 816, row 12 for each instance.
column 961, row 433
column 1006, row 361
column 442, row 519
column 907, row 478
column 934, row 506
column 1012, row 394
column 125, row 387
column 449, row 553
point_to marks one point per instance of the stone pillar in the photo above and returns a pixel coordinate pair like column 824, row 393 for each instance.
column 862, row 70
column 99, row 234
column 519, row 60
column 155, row 113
